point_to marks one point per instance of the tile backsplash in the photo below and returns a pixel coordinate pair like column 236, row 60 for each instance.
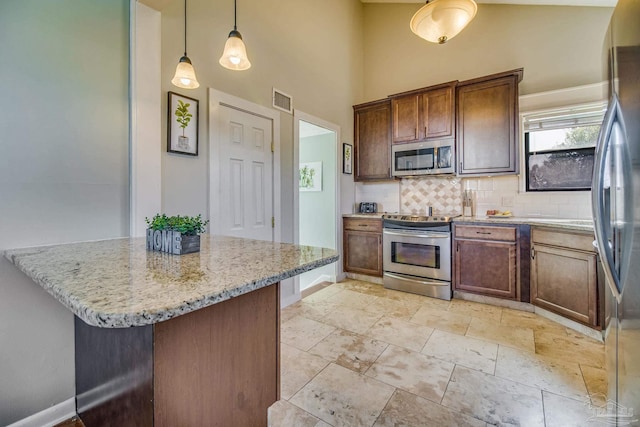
column 444, row 195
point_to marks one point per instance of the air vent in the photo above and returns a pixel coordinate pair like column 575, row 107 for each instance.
column 282, row 101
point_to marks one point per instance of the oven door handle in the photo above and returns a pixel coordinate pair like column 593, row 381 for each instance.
column 442, row 235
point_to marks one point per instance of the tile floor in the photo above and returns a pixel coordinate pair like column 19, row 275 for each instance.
column 356, row 354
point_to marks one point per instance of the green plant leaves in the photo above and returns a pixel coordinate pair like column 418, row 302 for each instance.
column 187, row 225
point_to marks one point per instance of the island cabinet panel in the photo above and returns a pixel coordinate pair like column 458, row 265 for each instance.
column 424, row 114
column 114, row 375
column 362, row 239
column 564, row 277
column 372, row 141
column 217, row 366
column 487, row 124
column 487, row 260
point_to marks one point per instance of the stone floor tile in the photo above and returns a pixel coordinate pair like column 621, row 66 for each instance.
column 400, row 332
column 524, row 319
column 511, row 336
column 352, row 299
column 303, row 333
column 414, row 372
column 559, row 377
column 297, row 368
column 476, row 309
column 442, row 320
column 561, row 411
column 351, row 319
column 400, row 309
column 362, row 287
column 316, row 310
column 577, row 348
column 342, row 397
column 494, row 400
column 284, row 414
column 323, row 294
column 465, row 351
column 597, row 382
column 349, row 350
column 406, row 409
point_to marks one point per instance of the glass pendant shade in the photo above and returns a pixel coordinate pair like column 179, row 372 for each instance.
column 234, row 56
column 441, row 20
column 185, row 76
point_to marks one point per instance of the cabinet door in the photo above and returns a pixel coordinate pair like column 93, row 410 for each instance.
column 363, row 252
column 406, row 111
column 488, row 126
column 487, row 268
column 565, row 281
column 437, row 113
column 372, row 141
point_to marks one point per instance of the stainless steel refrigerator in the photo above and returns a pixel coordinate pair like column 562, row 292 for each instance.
column 616, row 209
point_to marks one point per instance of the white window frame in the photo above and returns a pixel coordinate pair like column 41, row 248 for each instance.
column 557, row 100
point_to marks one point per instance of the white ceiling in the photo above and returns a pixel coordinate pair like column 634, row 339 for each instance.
column 604, row 3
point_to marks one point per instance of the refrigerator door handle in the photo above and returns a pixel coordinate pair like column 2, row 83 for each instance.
column 612, row 129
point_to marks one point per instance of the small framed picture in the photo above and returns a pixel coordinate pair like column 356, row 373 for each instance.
column 311, row 176
column 347, row 158
column 182, row 125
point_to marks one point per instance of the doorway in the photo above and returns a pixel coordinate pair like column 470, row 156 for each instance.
column 316, row 188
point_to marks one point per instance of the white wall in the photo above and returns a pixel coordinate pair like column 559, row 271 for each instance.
column 318, row 61
column 558, row 46
column 317, row 209
column 63, row 173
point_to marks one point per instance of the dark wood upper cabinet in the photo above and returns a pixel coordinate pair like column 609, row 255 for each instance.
column 372, row 141
column 424, row 114
column 487, row 124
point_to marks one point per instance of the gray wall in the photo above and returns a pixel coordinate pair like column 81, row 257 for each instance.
column 63, row 173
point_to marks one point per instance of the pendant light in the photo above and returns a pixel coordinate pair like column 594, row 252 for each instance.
column 441, row 20
column 234, row 56
column 185, row 76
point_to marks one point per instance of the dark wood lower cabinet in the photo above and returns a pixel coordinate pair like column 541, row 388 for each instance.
column 488, row 260
column 362, row 246
column 217, row 366
column 564, row 276
column 487, row 268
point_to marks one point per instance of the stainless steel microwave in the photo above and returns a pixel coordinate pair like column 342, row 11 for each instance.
column 424, row 158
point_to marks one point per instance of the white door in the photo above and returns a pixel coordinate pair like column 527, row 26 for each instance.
column 246, row 175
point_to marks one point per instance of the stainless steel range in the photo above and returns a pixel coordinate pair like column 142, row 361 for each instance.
column 416, row 254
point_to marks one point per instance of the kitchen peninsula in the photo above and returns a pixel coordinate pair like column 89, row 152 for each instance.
column 171, row 340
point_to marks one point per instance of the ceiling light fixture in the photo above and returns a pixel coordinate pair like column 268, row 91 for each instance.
column 185, row 76
column 441, row 20
column 234, row 56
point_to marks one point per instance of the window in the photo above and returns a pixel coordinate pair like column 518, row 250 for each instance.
column 559, row 147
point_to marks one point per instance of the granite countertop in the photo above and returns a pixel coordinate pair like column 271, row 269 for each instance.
column 561, row 223
column 118, row 283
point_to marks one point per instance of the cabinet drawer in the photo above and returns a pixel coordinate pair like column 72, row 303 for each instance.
column 361, row 224
column 506, row 234
column 564, row 239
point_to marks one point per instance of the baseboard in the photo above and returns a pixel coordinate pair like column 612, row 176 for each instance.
column 500, row 302
column 289, row 300
column 50, row 416
column 365, row 278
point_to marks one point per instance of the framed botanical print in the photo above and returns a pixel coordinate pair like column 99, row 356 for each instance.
column 182, row 125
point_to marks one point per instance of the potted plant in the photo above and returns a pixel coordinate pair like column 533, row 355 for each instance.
column 183, row 117
column 175, row 234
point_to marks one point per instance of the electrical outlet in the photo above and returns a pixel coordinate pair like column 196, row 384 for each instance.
column 507, row 201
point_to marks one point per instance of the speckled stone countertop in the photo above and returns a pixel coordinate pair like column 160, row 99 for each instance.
column 118, row 283
column 562, row 223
